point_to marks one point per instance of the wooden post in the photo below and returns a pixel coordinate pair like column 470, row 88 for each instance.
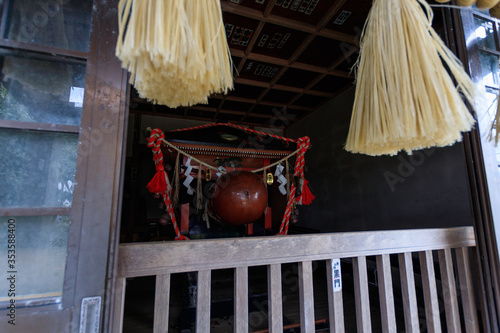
column 467, row 290
column 335, row 304
column 275, row 315
column 203, row 301
column 430, row 292
column 241, row 299
column 185, row 218
column 386, row 294
column 449, row 291
column 408, row 292
column 362, row 298
column 119, row 294
column 162, row 299
column 306, row 297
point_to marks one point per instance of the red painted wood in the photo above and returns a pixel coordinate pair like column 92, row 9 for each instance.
column 249, row 229
column 268, row 220
column 185, row 218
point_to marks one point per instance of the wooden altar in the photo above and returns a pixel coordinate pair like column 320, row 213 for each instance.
column 211, row 151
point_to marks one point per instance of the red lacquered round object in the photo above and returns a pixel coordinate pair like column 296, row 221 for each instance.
column 240, row 197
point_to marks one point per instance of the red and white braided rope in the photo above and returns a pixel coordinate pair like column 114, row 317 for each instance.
column 154, row 141
column 248, row 130
column 302, row 142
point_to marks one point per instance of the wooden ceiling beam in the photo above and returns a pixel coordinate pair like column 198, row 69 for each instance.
column 284, row 88
column 285, row 63
column 179, row 116
column 288, row 23
column 320, row 26
column 330, row 14
column 235, row 99
column 233, row 112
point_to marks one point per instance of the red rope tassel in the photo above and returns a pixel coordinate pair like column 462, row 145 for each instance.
column 159, row 182
column 299, row 172
column 307, row 196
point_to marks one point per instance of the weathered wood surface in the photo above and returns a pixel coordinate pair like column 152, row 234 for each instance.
column 449, row 291
column 361, row 295
column 306, row 297
column 335, row 302
column 162, row 257
column 275, row 298
column 430, row 292
column 119, row 295
column 408, row 292
column 241, row 300
column 466, row 290
column 387, row 311
column 203, row 301
column 162, row 298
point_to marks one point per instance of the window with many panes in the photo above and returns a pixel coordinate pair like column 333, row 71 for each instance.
column 43, row 51
column 487, row 32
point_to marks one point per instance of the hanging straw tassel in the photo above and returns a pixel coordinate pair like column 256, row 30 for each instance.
column 176, row 50
column 486, row 4
column 495, row 11
column 405, row 99
column 466, row 3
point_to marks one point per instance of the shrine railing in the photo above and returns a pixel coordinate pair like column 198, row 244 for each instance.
column 443, row 274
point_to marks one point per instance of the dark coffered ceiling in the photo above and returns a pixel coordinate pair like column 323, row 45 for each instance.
column 290, row 57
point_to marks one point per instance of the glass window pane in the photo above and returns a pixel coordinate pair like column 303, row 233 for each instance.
column 57, row 23
column 485, row 33
column 492, row 102
column 489, row 67
column 491, row 97
column 36, row 90
column 39, row 255
column 37, row 169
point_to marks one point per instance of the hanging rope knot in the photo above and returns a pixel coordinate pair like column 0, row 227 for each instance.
column 160, row 183
column 303, row 145
column 155, row 139
column 154, row 142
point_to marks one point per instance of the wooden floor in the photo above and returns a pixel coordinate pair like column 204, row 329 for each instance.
column 139, row 304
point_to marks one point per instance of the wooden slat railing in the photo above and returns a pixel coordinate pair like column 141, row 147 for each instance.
column 387, row 311
column 166, row 258
column 275, row 298
column 449, row 291
column 241, row 299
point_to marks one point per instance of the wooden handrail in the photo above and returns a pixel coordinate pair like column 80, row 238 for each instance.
column 144, row 259
column 165, row 258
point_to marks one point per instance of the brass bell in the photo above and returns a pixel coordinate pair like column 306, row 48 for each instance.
column 269, row 179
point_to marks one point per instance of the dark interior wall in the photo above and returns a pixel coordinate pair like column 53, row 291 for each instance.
column 357, row 192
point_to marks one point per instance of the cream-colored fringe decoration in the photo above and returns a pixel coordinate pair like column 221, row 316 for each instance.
column 175, row 50
column 405, row 99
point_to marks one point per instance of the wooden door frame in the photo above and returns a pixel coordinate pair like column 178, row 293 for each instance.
column 487, row 257
column 96, row 208
column 104, row 216
column 97, row 200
